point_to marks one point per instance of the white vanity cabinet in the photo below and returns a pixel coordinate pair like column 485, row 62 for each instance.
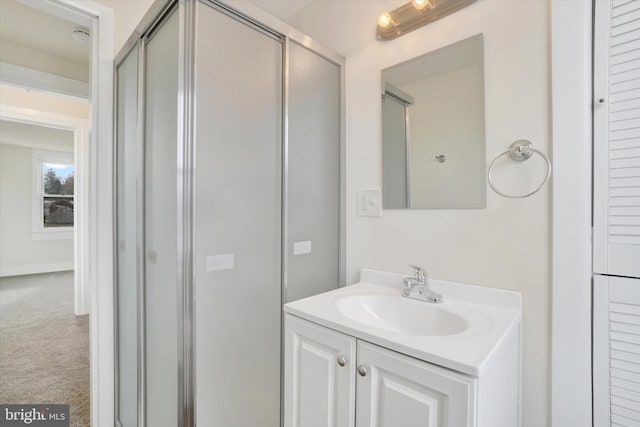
column 365, row 356
column 397, row 390
column 319, row 372
column 326, row 379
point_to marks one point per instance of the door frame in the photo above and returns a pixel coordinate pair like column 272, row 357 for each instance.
column 100, row 247
column 80, row 129
column 572, row 77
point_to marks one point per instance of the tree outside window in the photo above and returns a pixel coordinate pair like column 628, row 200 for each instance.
column 57, row 194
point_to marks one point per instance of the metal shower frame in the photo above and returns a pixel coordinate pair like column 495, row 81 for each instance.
column 153, row 20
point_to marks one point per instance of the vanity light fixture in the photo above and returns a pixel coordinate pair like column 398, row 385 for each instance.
column 422, row 5
column 415, row 14
column 384, row 20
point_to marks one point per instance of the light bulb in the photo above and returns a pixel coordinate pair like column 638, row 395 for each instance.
column 423, row 5
column 384, row 20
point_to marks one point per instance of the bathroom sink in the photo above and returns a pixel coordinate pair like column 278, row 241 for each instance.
column 401, row 315
column 461, row 333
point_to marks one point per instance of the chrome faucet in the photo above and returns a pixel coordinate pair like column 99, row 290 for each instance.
column 417, row 287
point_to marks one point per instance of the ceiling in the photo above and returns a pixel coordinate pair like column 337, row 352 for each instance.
column 282, row 9
column 31, row 28
column 345, row 26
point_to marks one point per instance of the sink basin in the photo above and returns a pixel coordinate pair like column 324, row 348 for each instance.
column 401, row 315
column 463, row 333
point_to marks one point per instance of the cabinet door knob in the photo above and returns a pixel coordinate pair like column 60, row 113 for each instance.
column 362, row 370
column 342, row 361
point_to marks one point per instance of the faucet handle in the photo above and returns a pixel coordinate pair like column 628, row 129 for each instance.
column 419, row 273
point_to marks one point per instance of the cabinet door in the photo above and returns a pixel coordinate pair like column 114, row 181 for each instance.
column 319, row 376
column 616, row 124
column 616, row 351
column 397, row 390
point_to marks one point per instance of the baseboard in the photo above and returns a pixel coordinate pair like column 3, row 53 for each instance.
column 22, row 270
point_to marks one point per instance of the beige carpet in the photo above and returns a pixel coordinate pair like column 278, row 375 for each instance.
column 44, row 347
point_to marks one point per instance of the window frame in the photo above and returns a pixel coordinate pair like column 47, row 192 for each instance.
column 38, row 230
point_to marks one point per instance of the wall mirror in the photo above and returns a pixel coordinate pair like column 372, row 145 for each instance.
column 433, row 130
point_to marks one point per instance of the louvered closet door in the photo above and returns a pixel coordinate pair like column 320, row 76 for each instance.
column 617, row 138
column 616, row 356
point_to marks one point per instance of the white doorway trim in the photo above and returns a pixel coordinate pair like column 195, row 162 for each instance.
column 572, row 146
column 100, row 250
column 80, row 129
column 28, row 78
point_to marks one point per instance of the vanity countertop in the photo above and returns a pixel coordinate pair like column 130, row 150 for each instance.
column 490, row 315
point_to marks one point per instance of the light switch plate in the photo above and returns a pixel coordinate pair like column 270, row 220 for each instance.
column 369, row 202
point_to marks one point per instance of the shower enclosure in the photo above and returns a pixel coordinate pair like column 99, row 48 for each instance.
column 229, row 204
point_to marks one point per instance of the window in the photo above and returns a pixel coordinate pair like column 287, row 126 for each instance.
column 57, row 195
column 53, row 202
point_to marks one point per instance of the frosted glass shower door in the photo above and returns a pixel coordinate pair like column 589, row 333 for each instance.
column 127, row 242
column 161, row 204
column 313, row 178
column 237, row 222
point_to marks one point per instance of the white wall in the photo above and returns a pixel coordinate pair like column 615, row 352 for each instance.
column 126, row 16
column 506, row 245
column 572, row 50
column 19, row 252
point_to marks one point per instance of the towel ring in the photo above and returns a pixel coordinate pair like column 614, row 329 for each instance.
column 520, row 151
